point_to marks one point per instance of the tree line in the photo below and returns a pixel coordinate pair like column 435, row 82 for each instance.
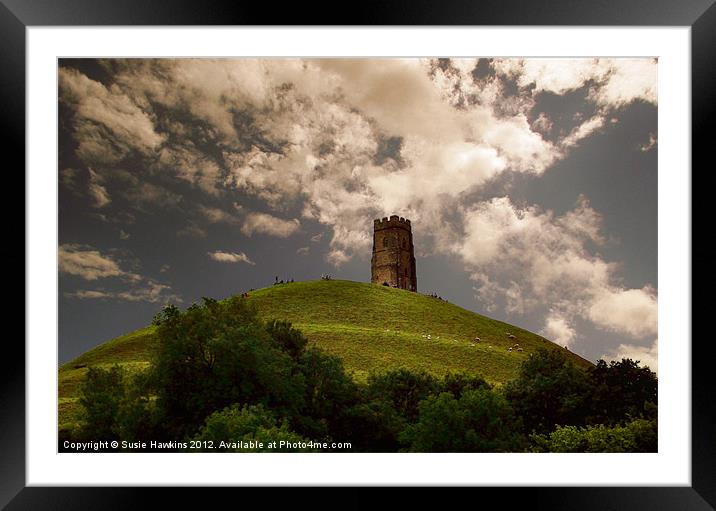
column 219, row 373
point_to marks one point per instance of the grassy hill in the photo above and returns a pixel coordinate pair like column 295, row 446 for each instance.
column 372, row 328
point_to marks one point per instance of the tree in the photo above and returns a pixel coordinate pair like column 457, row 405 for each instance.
column 137, row 416
column 403, row 389
column 249, row 424
column 457, row 383
column 548, row 391
column 100, row 395
column 214, row 355
column 329, row 392
column 374, row 425
column 620, row 390
column 639, row 435
column 289, row 339
column 479, row 421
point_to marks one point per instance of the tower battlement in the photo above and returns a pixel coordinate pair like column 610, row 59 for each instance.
column 393, row 261
column 393, row 221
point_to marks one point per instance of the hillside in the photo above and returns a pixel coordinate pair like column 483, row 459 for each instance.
column 372, row 328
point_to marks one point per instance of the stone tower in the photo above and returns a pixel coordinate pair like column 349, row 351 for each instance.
column 393, row 261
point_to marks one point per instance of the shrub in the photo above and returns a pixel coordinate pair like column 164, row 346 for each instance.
column 458, row 383
column 248, row 423
column 479, row 421
column 639, row 435
column 403, row 389
column 329, row 392
column 214, row 355
column 289, row 339
column 548, row 391
column 100, row 395
column 620, row 390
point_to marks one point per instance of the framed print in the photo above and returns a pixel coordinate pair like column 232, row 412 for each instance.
column 246, row 243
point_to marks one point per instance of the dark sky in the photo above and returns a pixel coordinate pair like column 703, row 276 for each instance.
column 531, row 186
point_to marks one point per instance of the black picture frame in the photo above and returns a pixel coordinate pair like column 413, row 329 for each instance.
column 17, row 15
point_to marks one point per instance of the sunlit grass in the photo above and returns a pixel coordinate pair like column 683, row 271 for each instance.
column 372, row 328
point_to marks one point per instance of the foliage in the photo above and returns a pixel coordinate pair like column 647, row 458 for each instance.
column 375, row 426
column 639, row 435
column 329, row 391
column 289, row 339
column 549, row 391
column 370, row 328
column 619, row 390
column 403, row 390
column 137, row 418
column 479, row 421
column 391, row 401
column 214, row 355
column 458, row 383
column 248, row 423
column 100, row 396
column 377, row 329
column 220, row 371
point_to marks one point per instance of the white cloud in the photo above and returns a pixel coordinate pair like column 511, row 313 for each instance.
column 88, row 263
column 230, row 257
column 311, row 130
column 190, row 165
column 630, row 311
column 192, row 230
column 217, row 215
column 584, row 130
column 397, row 93
column 647, row 355
column 263, row 223
column 302, row 136
column 628, row 80
column 648, row 146
column 150, row 291
column 84, row 294
column 613, row 82
column 547, row 255
column 543, row 123
column 525, row 149
column 337, row 257
column 558, row 329
column 108, row 123
column 97, row 191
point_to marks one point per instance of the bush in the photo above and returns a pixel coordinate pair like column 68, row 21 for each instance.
column 248, row 424
column 220, row 373
column 639, row 435
column 458, row 383
column 375, row 426
column 548, row 391
column 100, row 395
column 329, row 392
column 479, row 421
column 403, row 389
column 214, row 355
column 137, row 415
column 289, row 339
column 620, row 390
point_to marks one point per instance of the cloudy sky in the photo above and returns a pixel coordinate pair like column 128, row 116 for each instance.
column 531, row 186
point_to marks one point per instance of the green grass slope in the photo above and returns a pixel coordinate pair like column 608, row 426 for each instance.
column 372, row 328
